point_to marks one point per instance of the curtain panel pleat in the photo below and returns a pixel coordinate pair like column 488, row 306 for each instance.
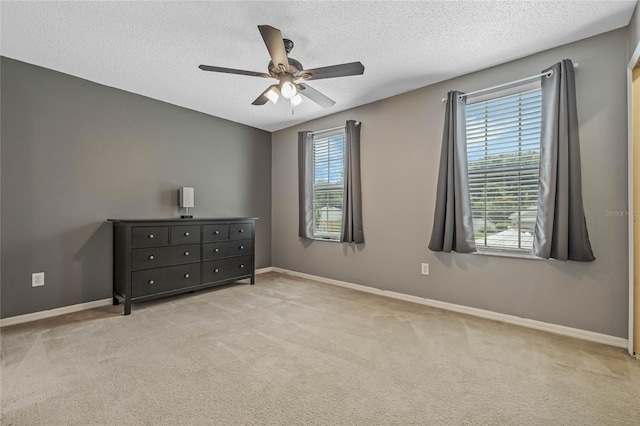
column 352, row 229
column 452, row 221
column 305, row 184
column 561, row 226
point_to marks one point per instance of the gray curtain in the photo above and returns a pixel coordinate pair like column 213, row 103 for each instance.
column 452, row 221
column 352, row 231
column 561, row 227
column 305, row 182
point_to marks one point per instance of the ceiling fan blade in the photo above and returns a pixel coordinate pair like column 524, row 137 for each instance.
column 262, row 99
column 315, row 96
column 342, row 70
column 273, row 39
column 233, row 71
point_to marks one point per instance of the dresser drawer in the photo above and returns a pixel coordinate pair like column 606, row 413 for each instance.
column 149, row 236
column 239, row 231
column 160, row 280
column 155, row 257
column 218, row 270
column 222, row 249
column 185, row 234
column 215, row 232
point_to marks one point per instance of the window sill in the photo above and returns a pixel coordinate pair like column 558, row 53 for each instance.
column 331, row 240
column 514, row 254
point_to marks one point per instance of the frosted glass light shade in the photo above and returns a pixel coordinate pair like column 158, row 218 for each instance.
column 273, row 94
column 288, row 89
column 296, row 100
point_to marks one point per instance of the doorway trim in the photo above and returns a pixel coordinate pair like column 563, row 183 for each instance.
column 632, row 63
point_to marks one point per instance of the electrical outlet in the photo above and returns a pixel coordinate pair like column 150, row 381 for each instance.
column 425, row 269
column 37, row 279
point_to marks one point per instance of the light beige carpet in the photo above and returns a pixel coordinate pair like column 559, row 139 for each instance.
column 294, row 352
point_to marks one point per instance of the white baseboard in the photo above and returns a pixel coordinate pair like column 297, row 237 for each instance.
column 510, row 319
column 19, row 319
column 73, row 308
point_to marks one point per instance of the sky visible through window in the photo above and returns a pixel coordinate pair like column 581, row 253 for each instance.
column 329, row 160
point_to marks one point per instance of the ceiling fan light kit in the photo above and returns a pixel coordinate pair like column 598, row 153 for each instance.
column 287, row 87
column 296, row 100
column 287, row 70
column 273, row 94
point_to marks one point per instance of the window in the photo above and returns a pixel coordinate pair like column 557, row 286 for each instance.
column 328, row 184
column 503, row 152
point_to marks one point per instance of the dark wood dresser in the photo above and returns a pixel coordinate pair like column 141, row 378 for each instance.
column 161, row 257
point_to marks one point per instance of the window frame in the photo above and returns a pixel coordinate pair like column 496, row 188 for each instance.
column 318, row 136
column 525, row 253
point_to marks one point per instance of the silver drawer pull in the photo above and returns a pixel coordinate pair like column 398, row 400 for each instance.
column 216, row 270
column 217, row 232
column 241, row 231
column 150, row 235
column 216, row 250
column 241, row 247
column 151, row 257
column 186, row 253
column 241, row 266
column 150, row 281
column 186, row 275
column 186, row 234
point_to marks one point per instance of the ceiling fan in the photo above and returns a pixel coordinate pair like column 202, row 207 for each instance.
column 288, row 71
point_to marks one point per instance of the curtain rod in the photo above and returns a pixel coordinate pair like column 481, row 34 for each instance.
column 500, row 86
column 329, row 130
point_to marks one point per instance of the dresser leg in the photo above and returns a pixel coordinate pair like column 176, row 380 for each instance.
column 116, row 301
column 253, row 279
column 127, row 306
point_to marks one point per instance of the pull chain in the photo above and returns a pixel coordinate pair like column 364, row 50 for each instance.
column 285, row 116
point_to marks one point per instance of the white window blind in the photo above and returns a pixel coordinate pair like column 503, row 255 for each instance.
column 503, row 151
column 328, row 184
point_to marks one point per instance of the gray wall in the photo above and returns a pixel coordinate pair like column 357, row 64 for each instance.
column 634, row 31
column 401, row 139
column 75, row 153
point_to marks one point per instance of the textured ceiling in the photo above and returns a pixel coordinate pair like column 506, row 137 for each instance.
column 154, row 48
